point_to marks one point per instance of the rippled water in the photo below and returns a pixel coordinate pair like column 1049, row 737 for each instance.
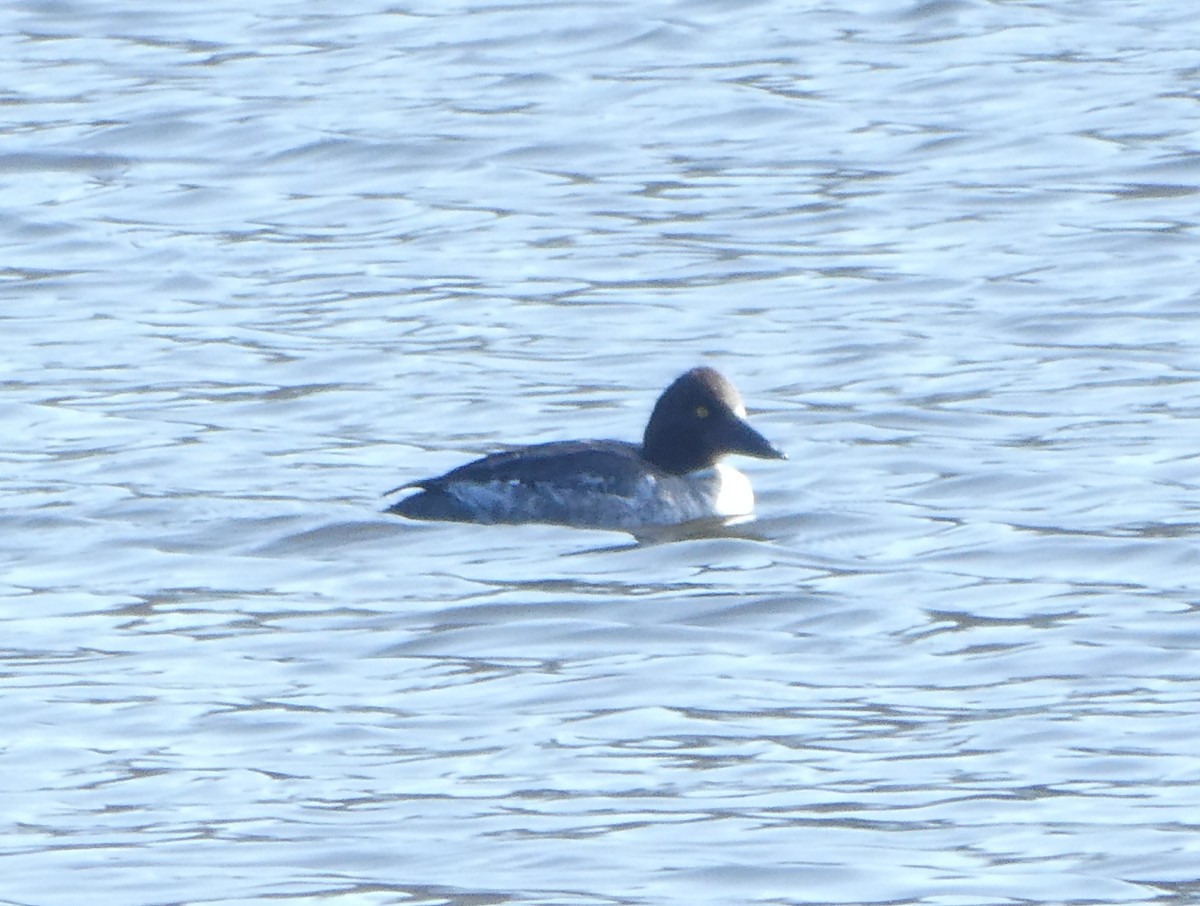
column 263, row 264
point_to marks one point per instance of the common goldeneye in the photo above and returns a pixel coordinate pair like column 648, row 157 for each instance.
column 674, row 476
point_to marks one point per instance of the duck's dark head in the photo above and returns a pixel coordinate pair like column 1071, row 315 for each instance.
column 699, row 419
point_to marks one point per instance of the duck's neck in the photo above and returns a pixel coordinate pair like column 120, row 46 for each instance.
column 678, row 459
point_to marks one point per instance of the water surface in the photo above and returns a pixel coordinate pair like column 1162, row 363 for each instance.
column 262, row 265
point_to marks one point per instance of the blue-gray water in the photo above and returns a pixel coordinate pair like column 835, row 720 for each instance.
column 261, row 265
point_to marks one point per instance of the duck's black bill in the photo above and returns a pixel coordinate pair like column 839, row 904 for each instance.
column 741, row 438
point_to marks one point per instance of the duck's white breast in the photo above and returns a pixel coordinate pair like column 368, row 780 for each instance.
column 735, row 496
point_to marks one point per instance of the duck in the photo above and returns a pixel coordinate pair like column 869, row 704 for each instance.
column 674, row 476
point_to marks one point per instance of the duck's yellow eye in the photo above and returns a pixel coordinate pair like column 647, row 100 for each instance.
column 702, row 412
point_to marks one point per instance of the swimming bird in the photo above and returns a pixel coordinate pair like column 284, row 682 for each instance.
column 674, row 476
